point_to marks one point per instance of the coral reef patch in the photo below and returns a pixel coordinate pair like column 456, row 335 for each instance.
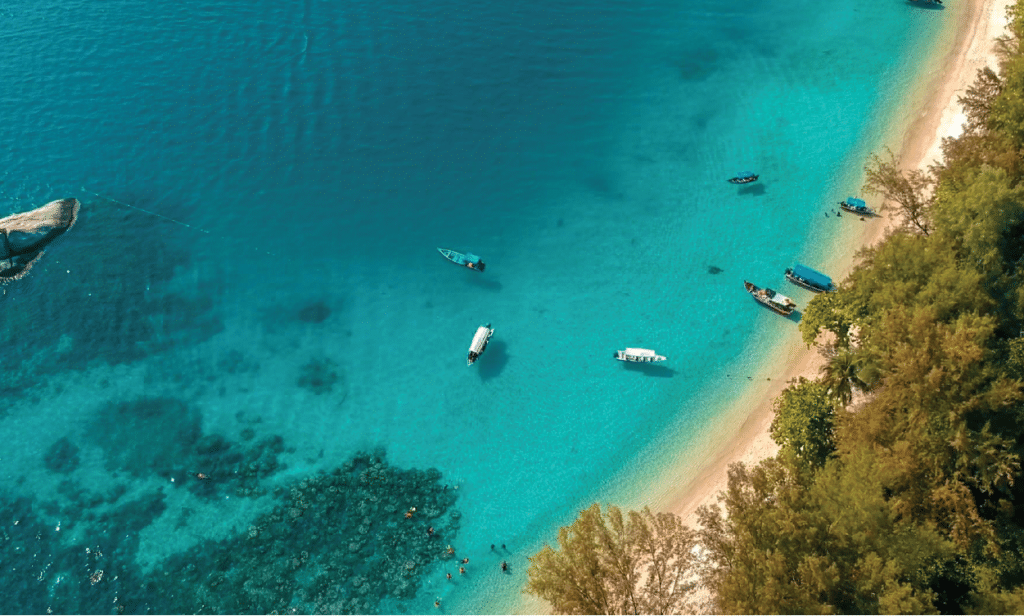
column 339, row 542
column 61, row 457
column 318, row 375
column 316, row 312
column 355, row 539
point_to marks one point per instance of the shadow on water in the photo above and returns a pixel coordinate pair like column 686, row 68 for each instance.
column 754, row 190
column 656, row 370
column 926, row 4
column 493, row 361
column 481, row 282
column 795, row 316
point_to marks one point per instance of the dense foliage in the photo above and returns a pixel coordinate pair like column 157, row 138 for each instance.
column 610, row 563
column 908, row 498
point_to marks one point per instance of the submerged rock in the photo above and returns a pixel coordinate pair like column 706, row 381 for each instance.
column 24, row 237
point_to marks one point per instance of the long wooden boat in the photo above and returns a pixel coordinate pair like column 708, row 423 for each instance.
column 810, row 279
column 744, row 177
column 480, row 339
column 771, row 298
column 467, row 259
column 639, row 356
column 856, row 206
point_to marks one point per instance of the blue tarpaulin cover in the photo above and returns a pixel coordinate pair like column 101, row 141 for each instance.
column 813, row 276
column 854, row 202
column 472, row 258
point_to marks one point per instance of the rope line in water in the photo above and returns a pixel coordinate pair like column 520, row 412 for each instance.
column 161, row 216
column 135, row 207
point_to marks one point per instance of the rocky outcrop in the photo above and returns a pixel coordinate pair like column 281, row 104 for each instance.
column 23, row 237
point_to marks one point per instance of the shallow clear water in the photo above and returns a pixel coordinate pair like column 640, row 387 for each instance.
column 314, row 155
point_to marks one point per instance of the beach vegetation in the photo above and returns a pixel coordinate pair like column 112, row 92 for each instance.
column 612, row 562
column 826, row 312
column 907, row 193
column 841, row 375
column 804, row 422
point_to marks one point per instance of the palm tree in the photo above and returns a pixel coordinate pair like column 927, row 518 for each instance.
column 840, row 375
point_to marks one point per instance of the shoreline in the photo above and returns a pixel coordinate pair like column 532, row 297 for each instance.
column 934, row 113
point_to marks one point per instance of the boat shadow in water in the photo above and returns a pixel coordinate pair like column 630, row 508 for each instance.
column 926, row 4
column 795, row 316
column 492, row 362
column 479, row 281
column 649, row 369
column 754, row 190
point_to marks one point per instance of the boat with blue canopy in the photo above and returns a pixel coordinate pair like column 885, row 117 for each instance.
column 744, row 177
column 810, row 279
column 468, row 259
column 856, row 206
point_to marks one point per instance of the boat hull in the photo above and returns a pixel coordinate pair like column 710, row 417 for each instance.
column 479, row 344
column 463, row 260
column 639, row 359
column 855, row 210
column 800, row 282
column 763, row 297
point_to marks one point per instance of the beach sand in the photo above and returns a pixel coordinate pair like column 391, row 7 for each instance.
column 917, row 136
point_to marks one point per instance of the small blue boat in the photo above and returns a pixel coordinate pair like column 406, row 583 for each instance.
column 856, row 206
column 810, row 279
column 744, row 177
column 468, row 259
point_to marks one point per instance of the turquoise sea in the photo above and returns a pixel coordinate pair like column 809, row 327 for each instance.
column 226, row 386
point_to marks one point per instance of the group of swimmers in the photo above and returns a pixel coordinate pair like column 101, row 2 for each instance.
column 451, row 551
column 465, row 561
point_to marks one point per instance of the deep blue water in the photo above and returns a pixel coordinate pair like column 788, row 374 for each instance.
column 314, row 155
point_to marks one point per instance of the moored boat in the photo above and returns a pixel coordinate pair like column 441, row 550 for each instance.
column 744, row 177
column 771, row 298
column 467, row 259
column 810, row 279
column 640, row 356
column 480, row 339
column 856, row 206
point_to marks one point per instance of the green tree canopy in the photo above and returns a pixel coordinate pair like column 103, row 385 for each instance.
column 909, row 191
column 804, row 421
column 787, row 544
column 610, row 563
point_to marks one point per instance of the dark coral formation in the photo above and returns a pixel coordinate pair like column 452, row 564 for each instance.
column 49, row 568
column 338, row 543
column 335, row 542
column 61, row 457
column 316, row 312
column 217, row 467
column 111, row 303
column 146, row 436
column 163, row 437
column 318, row 375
